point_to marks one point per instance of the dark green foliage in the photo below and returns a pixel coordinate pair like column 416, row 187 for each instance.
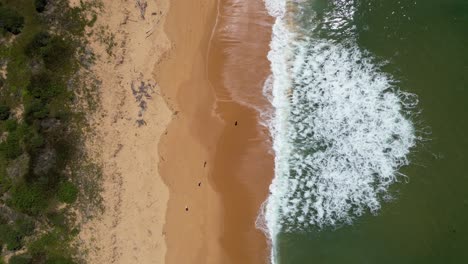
column 25, row 226
column 44, row 86
column 11, row 237
column 40, row 40
column 41, row 73
column 67, row 192
column 40, row 5
column 57, row 54
column 58, row 219
column 36, row 141
column 59, row 260
column 21, row 259
column 10, row 20
column 4, row 112
column 11, row 125
column 53, row 244
column 11, row 147
column 36, row 109
column 28, row 198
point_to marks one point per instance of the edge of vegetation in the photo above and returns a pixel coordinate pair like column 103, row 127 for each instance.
column 44, row 173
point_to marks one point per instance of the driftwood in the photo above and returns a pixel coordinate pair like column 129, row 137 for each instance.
column 142, row 5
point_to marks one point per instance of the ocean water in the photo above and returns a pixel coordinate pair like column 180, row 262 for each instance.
column 369, row 131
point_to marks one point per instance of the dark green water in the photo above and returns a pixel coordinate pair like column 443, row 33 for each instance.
column 426, row 46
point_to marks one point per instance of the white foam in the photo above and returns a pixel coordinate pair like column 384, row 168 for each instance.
column 340, row 132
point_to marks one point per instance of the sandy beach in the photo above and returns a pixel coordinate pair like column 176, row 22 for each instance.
column 186, row 166
column 129, row 44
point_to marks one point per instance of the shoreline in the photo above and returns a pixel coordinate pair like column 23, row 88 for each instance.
column 238, row 69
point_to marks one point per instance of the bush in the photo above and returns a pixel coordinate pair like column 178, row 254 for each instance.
column 10, row 20
column 44, row 86
column 40, row 40
column 59, row 260
column 57, row 54
column 40, row 5
column 11, row 125
column 67, row 192
column 28, row 199
column 54, row 246
column 36, row 109
column 21, row 259
column 36, row 141
column 49, row 244
column 11, row 237
column 11, row 147
column 4, row 112
column 25, row 226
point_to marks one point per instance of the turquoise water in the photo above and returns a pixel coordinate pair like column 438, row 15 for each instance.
column 366, row 175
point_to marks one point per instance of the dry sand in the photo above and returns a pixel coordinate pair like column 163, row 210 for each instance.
column 131, row 228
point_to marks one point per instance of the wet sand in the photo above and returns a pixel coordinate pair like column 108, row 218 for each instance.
column 209, row 80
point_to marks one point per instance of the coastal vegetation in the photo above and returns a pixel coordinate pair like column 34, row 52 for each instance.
column 42, row 50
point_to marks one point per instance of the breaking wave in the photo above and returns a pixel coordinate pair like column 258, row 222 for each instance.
column 341, row 130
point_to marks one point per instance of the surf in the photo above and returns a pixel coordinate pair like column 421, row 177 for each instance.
column 341, row 127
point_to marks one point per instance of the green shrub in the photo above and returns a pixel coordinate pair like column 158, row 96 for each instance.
column 21, row 259
column 52, row 243
column 58, row 219
column 67, row 192
column 36, row 141
column 40, row 5
column 28, row 198
column 59, row 260
column 40, row 40
column 10, row 20
column 11, row 147
column 57, row 54
column 11, row 125
column 36, row 109
column 10, row 237
column 4, row 112
column 25, row 226
column 44, row 86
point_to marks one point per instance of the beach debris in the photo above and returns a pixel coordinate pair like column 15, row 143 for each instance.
column 119, row 148
column 142, row 5
column 142, row 91
column 141, row 122
column 235, row 123
column 204, row 164
column 125, row 19
column 186, row 208
column 199, row 184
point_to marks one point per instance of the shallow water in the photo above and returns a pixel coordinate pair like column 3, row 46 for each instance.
column 363, row 173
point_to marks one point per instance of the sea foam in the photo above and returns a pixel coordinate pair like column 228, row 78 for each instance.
column 341, row 131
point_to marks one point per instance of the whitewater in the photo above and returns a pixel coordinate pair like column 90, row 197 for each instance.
column 341, row 129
